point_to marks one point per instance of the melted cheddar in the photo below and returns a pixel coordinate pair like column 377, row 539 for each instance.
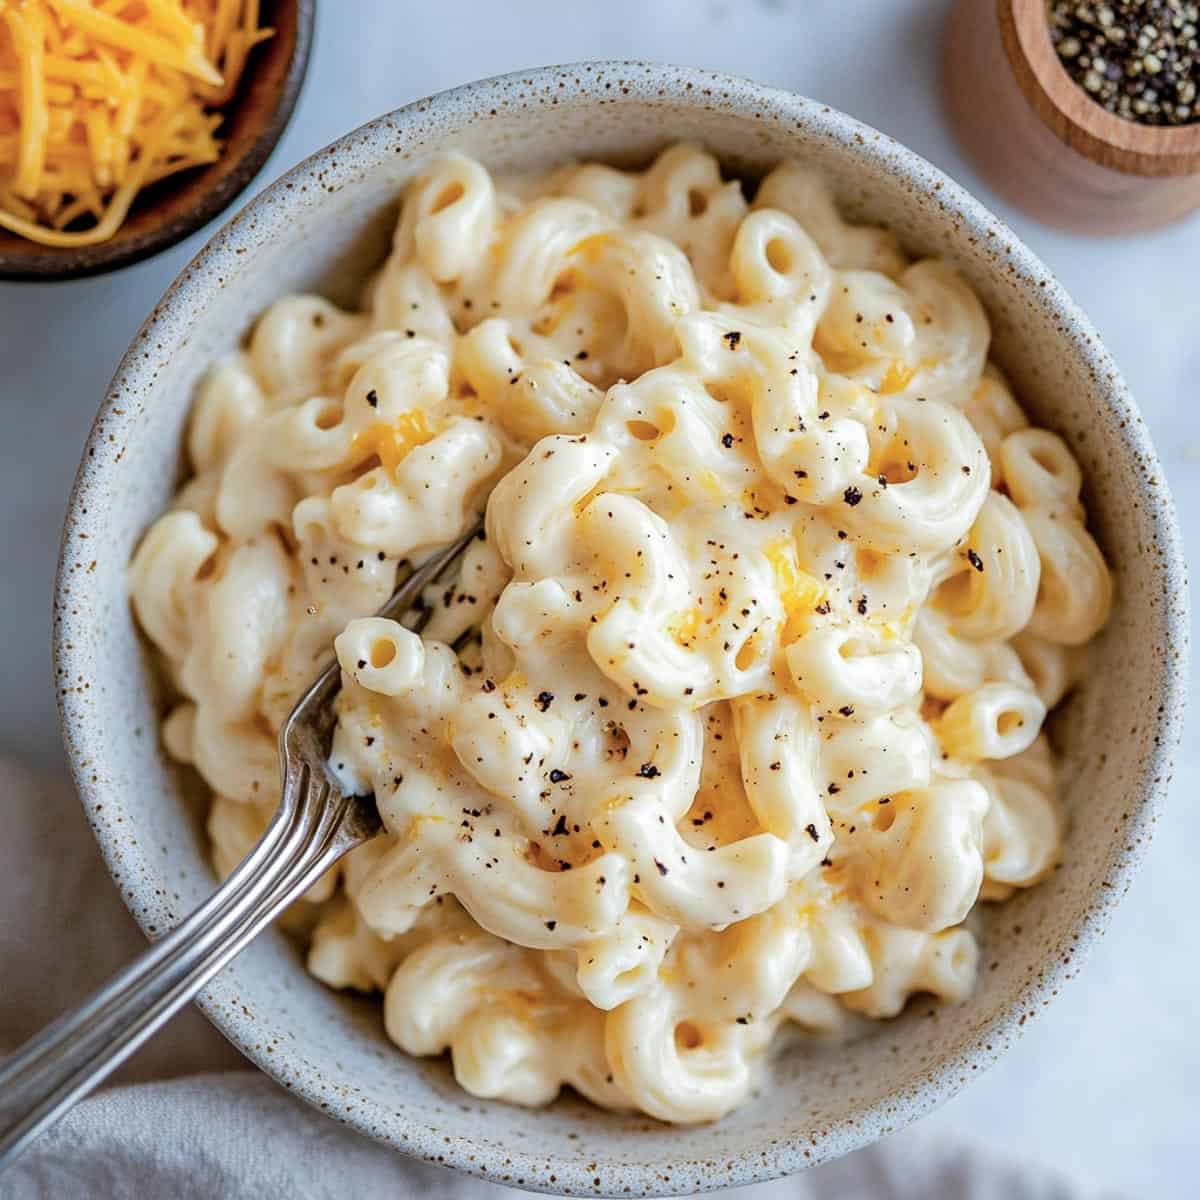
column 391, row 443
column 891, row 630
column 799, row 591
column 897, row 377
column 684, row 626
column 590, row 247
column 845, row 361
column 836, row 358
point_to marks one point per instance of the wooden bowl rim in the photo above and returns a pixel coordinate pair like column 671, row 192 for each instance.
column 1090, row 129
column 32, row 261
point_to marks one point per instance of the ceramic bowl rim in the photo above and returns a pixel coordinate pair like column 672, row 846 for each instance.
column 683, row 85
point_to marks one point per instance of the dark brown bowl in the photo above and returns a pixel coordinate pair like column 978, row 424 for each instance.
column 168, row 211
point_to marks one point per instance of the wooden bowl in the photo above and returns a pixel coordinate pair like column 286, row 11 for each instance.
column 167, row 212
column 1043, row 143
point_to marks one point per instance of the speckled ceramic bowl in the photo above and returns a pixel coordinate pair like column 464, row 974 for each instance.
column 321, row 227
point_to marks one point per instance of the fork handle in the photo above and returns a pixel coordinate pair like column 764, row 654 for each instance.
column 64, row 1062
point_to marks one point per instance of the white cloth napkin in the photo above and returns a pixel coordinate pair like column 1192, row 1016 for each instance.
column 188, row 1118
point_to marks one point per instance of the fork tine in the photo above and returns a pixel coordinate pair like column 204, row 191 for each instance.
column 318, row 699
column 431, row 569
column 312, row 829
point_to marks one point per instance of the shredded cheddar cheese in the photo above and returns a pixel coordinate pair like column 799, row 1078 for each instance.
column 101, row 99
column 799, row 591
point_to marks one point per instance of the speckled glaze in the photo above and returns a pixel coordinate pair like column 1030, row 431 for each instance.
column 321, row 227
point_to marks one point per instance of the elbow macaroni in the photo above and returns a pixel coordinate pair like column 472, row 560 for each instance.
column 734, row 713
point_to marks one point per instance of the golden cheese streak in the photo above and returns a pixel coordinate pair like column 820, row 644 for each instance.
column 390, row 443
column 799, row 591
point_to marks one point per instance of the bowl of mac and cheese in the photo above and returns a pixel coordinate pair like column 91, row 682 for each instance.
column 757, row 774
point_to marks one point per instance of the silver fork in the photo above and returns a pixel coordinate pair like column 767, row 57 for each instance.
column 313, row 827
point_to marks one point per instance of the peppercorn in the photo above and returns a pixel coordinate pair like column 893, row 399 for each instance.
column 1138, row 59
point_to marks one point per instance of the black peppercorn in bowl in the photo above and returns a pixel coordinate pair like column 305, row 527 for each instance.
column 1138, row 59
column 1078, row 114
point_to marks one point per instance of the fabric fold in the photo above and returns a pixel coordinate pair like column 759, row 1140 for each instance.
column 187, row 1126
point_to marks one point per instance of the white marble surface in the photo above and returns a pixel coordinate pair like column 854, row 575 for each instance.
column 1105, row 1084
